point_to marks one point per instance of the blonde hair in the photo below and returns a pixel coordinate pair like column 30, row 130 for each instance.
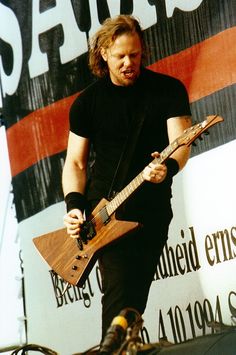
column 106, row 35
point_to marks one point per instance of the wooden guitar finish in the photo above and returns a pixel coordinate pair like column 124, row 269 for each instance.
column 73, row 259
column 64, row 256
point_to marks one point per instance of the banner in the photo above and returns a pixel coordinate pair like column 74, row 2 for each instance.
column 43, row 67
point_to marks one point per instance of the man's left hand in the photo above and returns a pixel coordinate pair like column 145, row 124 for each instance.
column 155, row 173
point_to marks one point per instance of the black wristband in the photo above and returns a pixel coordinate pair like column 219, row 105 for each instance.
column 75, row 200
column 172, row 167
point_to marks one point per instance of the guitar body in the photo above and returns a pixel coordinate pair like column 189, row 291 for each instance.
column 64, row 256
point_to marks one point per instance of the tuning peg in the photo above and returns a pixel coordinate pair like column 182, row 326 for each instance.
column 200, row 138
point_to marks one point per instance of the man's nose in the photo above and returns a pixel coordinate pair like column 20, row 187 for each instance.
column 127, row 60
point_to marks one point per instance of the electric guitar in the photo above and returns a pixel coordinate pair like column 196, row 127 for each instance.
column 73, row 259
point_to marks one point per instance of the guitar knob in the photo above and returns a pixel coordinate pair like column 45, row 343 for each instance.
column 74, row 267
column 78, row 257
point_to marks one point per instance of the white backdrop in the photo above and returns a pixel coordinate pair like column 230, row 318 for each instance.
column 187, row 291
column 12, row 327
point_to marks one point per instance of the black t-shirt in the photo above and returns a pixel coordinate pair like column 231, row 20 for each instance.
column 104, row 112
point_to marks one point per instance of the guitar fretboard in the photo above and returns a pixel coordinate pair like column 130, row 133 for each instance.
column 124, row 194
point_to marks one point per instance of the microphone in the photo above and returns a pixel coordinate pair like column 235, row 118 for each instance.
column 117, row 330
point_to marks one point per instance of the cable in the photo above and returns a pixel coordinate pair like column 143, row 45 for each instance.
column 89, row 351
column 34, row 347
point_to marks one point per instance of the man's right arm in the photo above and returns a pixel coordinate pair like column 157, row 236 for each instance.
column 74, row 180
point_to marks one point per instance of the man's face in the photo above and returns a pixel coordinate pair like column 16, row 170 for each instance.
column 123, row 59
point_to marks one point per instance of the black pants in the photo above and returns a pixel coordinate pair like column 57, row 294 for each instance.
column 127, row 268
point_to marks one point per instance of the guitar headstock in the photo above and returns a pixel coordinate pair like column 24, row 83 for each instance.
column 192, row 133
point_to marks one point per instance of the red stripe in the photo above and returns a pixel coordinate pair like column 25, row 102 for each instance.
column 41, row 134
column 204, row 68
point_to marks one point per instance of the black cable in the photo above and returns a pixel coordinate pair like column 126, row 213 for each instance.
column 34, row 347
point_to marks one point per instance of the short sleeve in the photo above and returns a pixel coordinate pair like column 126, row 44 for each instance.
column 80, row 117
column 179, row 101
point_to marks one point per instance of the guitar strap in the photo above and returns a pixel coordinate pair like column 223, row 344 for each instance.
column 128, row 151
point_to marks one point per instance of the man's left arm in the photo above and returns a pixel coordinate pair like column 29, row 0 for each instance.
column 156, row 173
column 176, row 127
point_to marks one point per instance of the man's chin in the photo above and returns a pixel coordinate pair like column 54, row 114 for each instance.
column 124, row 81
column 128, row 81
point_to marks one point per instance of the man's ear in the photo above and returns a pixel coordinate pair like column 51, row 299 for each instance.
column 104, row 54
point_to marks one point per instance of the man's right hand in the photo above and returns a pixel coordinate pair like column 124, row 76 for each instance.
column 73, row 221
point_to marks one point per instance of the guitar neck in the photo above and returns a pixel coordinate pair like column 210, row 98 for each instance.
column 124, row 194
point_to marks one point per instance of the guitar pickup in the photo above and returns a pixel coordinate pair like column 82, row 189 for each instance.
column 104, row 215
